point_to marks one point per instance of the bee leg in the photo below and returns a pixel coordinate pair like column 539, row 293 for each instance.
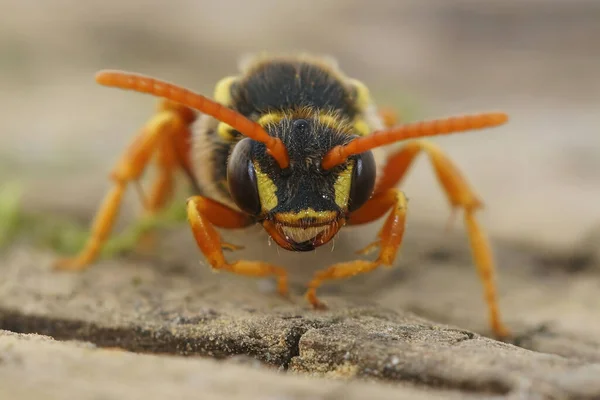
column 203, row 215
column 460, row 195
column 168, row 159
column 390, row 239
column 171, row 156
column 389, row 117
column 163, row 134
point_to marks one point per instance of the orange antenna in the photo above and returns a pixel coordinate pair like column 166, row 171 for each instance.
column 340, row 154
column 144, row 84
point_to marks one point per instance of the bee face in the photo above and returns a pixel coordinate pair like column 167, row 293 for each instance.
column 303, row 206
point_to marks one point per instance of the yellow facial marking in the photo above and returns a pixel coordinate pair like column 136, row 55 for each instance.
column 223, row 90
column 363, row 97
column 266, row 189
column 269, row 119
column 342, row 186
column 361, row 127
column 293, row 218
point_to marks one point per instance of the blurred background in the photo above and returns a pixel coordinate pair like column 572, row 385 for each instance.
column 538, row 60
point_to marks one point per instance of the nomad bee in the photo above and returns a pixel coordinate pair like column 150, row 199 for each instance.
column 296, row 146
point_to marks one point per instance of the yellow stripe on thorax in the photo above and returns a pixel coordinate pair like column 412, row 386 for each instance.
column 269, row 119
column 362, row 97
column 361, row 127
column 362, row 101
column 222, row 95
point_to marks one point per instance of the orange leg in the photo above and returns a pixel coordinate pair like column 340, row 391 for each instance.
column 389, row 117
column 164, row 135
column 389, row 240
column 163, row 186
column 166, row 160
column 161, row 192
column 460, row 195
column 174, row 153
column 203, row 215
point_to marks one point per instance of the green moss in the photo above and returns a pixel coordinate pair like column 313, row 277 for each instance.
column 60, row 234
column 10, row 211
column 127, row 240
column 66, row 236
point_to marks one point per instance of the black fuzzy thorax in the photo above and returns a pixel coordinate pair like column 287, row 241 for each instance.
column 282, row 85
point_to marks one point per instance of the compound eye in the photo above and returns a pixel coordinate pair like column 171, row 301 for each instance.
column 363, row 180
column 241, row 178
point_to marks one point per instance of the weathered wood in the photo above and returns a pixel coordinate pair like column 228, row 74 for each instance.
column 166, row 307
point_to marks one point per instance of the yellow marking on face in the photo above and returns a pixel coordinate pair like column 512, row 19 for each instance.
column 361, row 127
column 266, row 189
column 363, row 96
column 225, row 131
column 269, row 119
column 294, row 217
column 342, row 186
column 222, row 92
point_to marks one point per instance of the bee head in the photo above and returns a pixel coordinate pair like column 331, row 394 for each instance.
column 302, row 206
